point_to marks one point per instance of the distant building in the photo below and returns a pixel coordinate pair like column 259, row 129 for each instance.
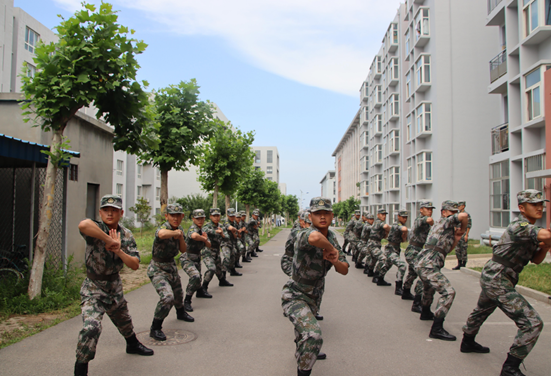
column 267, row 160
column 347, row 162
column 329, row 186
column 283, row 188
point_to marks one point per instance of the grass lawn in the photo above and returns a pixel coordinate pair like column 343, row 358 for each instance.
column 535, row 277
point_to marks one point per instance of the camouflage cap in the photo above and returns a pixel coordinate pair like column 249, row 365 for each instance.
column 304, row 216
column 174, row 209
column 426, row 204
column 357, row 212
column 214, row 211
column 462, row 203
column 256, row 212
column 382, row 211
column 370, row 216
column 231, row 212
column 111, row 200
column 403, row 213
column 243, row 214
column 530, row 196
column 299, row 215
column 320, row 203
column 198, row 213
column 450, row 205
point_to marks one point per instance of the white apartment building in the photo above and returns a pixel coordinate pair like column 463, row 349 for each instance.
column 347, row 162
column 329, row 186
column 283, row 188
column 267, row 160
column 520, row 78
column 425, row 115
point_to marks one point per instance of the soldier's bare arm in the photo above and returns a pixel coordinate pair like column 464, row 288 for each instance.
column 387, row 229
column 183, row 245
column 167, row 234
column 90, row 228
column 404, row 233
column 130, row 261
column 544, row 236
column 430, row 221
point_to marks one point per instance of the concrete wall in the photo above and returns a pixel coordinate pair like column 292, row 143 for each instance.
column 263, row 165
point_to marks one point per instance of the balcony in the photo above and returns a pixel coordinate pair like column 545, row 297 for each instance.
column 500, row 139
column 496, row 13
column 498, row 66
column 492, row 4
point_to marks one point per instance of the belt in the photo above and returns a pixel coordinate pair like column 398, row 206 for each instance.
column 161, row 259
column 304, row 281
column 415, row 244
column 394, row 244
column 506, row 263
column 102, row 277
column 437, row 249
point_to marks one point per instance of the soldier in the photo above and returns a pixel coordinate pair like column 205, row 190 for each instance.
column 521, row 243
column 364, row 252
column 441, row 240
column 245, row 257
column 211, row 255
column 109, row 246
column 398, row 233
column 418, row 236
column 357, row 230
column 462, row 245
column 252, row 234
column 287, row 258
column 238, row 244
column 163, row 273
column 227, row 244
column 379, row 231
column 316, row 251
column 346, row 242
column 196, row 240
column 351, row 236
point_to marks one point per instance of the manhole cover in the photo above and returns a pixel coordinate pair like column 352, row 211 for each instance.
column 173, row 337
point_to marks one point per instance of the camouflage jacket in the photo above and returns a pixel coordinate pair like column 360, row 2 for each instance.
column 349, row 231
column 358, row 227
column 309, row 267
column 250, row 227
column 166, row 248
column 215, row 239
column 439, row 242
column 419, row 231
column 366, row 232
column 103, row 262
column 241, row 225
column 515, row 249
column 378, row 232
column 395, row 233
column 229, row 238
column 290, row 243
column 194, row 246
column 296, row 225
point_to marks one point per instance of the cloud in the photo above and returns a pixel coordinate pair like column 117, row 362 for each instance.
column 322, row 43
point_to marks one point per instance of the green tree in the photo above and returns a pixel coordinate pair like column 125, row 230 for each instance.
column 270, row 202
column 183, row 122
column 290, row 207
column 92, row 63
column 251, row 188
column 349, row 206
column 227, row 157
column 142, row 210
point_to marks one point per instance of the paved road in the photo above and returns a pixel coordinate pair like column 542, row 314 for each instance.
column 241, row 331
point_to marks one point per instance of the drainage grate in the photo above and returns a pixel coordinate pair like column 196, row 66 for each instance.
column 173, row 337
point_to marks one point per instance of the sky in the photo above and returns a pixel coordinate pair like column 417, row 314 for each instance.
column 290, row 70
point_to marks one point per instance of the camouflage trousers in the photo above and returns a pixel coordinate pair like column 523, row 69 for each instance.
column 252, row 242
column 211, row 259
column 242, row 246
column 411, row 254
column 164, row 277
column 191, row 264
column 377, row 254
column 499, row 292
column 301, row 311
column 433, row 280
column 287, row 264
column 237, row 251
column 226, row 252
column 392, row 257
column 461, row 249
column 95, row 301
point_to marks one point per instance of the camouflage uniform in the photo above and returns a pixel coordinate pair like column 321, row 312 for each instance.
column 163, row 273
column 252, row 238
column 374, row 245
column 351, row 236
column 241, row 241
column 191, row 260
column 392, row 254
column 301, row 295
column 357, row 230
column 211, row 256
column 431, row 260
column 101, row 291
column 517, row 246
column 462, row 245
column 364, row 251
column 287, row 258
column 226, row 246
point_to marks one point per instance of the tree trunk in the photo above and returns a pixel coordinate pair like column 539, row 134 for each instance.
column 247, row 209
column 228, row 203
column 164, row 191
column 264, row 227
column 215, row 197
column 45, row 220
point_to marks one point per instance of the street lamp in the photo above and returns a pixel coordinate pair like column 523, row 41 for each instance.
column 301, row 198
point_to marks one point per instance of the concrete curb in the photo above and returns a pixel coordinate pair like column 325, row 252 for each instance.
column 526, row 291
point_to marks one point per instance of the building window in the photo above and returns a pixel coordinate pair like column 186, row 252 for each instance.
column 378, row 120
column 379, row 65
column 73, row 172
column 31, row 70
column 394, row 105
column 422, row 69
column 499, row 194
column 378, row 153
column 410, row 171
column 531, row 164
column 257, row 156
column 408, row 84
column 257, row 167
column 394, row 141
column 118, row 191
column 394, row 71
column 269, row 169
column 270, row 157
column 119, row 167
column 139, row 191
column 531, row 14
column 377, row 183
column 424, row 167
column 31, row 39
column 394, row 177
column 158, row 174
column 533, row 94
column 408, row 47
column 270, row 178
column 422, row 23
column 158, row 194
column 140, row 168
column 408, row 127
column 424, row 120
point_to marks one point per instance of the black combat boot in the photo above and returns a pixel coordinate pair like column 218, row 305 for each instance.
column 360, row 265
column 468, row 345
column 156, row 331
column 406, row 294
column 381, row 281
column 438, row 332
column 318, row 316
column 203, row 291
column 459, row 265
column 181, row 314
column 370, row 272
column 237, row 264
column 426, row 314
column 322, row 355
column 235, row 273
column 253, row 254
column 398, row 290
column 511, row 366
column 353, row 258
column 366, row 268
column 187, row 303
column 464, row 264
column 375, row 277
column 245, row 258
column 304, row 373
column 259, row 250
column 224, row 282
column 416, row 306
column 133, row 346
column 81, row 369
